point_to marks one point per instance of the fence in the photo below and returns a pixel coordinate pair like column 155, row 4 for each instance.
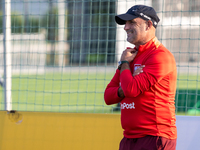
column 65, row 52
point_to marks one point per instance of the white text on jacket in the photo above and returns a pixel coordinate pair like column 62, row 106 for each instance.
column 127, row 106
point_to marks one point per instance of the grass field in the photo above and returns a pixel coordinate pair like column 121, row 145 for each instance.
column 60, row 92
column 74, row 92
column 188, row 81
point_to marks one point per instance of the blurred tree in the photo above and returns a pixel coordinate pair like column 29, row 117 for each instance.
column 52, row 30
column 92, row 32
column 17, row 23
column 50, row 23
column 26, row 16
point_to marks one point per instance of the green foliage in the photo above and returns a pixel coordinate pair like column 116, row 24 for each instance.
column 18, row 23
column 96, row 58
column 50, row 23
column 186, row 99
column 33, row 25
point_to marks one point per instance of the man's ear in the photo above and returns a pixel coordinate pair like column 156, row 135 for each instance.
column 149, row 25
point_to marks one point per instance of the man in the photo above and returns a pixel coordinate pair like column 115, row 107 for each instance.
column 145, row 85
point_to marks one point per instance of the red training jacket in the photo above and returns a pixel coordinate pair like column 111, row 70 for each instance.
column 148, row 106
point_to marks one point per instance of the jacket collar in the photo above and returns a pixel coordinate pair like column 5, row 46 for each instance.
column 152, row 43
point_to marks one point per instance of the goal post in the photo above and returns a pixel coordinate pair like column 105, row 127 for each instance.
column 7, row 82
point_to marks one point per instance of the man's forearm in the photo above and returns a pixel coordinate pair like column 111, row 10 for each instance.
column 124, row 66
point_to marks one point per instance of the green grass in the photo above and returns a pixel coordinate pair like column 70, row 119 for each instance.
column 73, row 92
column 60, row 92
column 188, row 81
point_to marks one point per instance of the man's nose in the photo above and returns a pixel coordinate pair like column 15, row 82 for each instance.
column 126, row 26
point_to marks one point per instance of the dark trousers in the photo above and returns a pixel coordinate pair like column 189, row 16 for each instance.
column 147, row 143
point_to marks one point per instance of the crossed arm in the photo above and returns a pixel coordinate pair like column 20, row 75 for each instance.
column 136, row 72
column 127, row 55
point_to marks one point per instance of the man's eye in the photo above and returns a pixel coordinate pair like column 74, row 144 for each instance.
column 132, row 22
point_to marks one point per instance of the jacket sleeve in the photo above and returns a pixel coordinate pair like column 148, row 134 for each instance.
column 157, row 66
column 111, row 91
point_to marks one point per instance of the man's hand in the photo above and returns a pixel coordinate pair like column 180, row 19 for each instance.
column 128, row 54
column 138, row 70
column 120, row 92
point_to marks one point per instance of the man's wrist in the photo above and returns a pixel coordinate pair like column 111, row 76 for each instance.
column 122, row 62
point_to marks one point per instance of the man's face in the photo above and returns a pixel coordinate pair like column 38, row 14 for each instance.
column 136, row 31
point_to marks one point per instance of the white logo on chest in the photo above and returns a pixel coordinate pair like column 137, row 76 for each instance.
column 136, row 66
column 128, row 106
